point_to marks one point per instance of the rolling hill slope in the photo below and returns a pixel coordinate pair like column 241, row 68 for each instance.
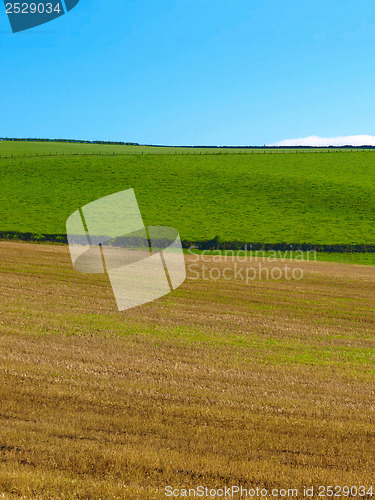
column 318, row 198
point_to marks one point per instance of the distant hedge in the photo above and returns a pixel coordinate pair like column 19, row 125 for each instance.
column 214, row 244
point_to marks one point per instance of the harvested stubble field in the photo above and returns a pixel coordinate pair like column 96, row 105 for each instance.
column 220, row 383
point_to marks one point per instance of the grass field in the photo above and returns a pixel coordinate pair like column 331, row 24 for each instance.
column 318, row 198
column 221, row 383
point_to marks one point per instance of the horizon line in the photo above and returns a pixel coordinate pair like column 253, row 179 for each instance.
column 122, row 143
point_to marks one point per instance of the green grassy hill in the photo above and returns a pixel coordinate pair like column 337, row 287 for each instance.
column 314, row 197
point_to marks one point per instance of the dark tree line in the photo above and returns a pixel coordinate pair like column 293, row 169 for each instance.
column 213, row 244
column 75, row 141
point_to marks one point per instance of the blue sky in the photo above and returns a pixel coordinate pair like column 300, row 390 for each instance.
column 192, row 72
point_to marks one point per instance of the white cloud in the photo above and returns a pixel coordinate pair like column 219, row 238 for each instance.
column 313, row 140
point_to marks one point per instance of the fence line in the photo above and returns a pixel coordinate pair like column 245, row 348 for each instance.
column 192, row 153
